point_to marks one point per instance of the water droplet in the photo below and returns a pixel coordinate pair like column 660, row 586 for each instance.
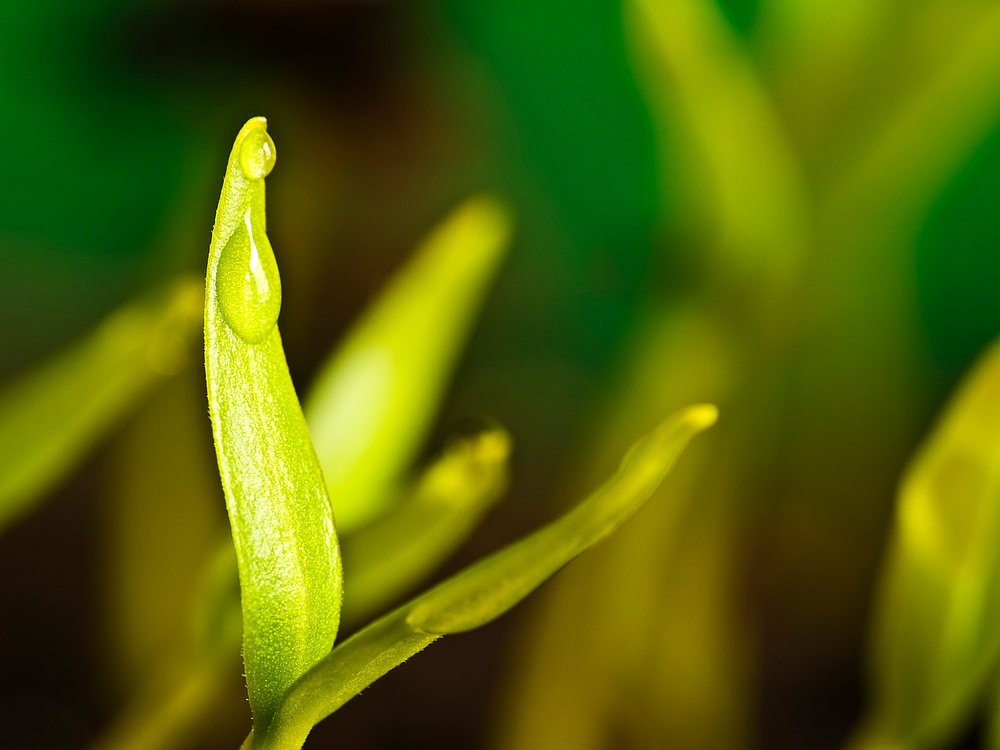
column 248, row 285
column 257, row 154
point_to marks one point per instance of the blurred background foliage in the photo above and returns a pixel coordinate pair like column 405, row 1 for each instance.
column 787, row 207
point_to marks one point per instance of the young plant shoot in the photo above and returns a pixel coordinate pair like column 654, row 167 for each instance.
column 279, row 509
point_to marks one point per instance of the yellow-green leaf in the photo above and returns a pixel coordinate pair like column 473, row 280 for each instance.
column 373, row 400
column 743, row 185
column 52, row 414
column 286, row 546
column 936, row 635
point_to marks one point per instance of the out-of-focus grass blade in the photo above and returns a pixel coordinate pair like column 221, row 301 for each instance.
column 485, row 590
column 386, row 557
column 187, row 685
column 168, row 550
column 279, row 509
column 158, row 719
column 372, row 402
column 936, row 633
column 668, row 633
column 749, row 196
column 821, row 56
column 51, row 415
column 162, row 516
column 947, row 112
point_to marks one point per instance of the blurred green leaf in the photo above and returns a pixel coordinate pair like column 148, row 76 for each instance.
column 374, row 399
column 168, row 555
column 182, row 689
column 903, row 156
column 165, row 712
column 742, row 185
column 739, row 13
column 162, row 485
column 484, row 591
column 667, row 634
column 51, row 415
column 279, row 508
column 446, row 504
column 936, row 634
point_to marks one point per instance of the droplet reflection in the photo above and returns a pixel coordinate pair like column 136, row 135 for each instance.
column 248, row 285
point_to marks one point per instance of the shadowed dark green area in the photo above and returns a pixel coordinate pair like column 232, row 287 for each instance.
column 91, row 159
column 586, row 136
column 740, row 13
column 958, row 262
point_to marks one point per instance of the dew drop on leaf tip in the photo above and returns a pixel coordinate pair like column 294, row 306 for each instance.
column 257, row 154
column 248, row 283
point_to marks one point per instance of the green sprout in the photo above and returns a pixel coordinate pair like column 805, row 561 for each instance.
column 371, row 407
column 805, row 153
column 280, row 510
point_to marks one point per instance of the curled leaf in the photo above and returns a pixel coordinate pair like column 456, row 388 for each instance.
column 749, row 193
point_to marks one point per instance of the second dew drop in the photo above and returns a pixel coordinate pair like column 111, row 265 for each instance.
column 248, row 284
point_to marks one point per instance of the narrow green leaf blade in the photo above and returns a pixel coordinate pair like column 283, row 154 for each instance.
column 483, row 591
column 936, row 635
column 373, row 400
column 53, row 414
column 446, row 504
column 746, row 188
column 279, row 509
